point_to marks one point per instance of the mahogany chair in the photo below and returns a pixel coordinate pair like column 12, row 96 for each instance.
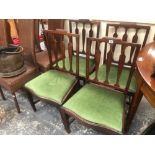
column 85, row 28
column 101, row 103
column 12, row 84
column 42, row 55
column 57, row 84
column 130, row 32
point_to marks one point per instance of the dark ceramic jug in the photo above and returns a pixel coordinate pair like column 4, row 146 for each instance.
column 11, row 61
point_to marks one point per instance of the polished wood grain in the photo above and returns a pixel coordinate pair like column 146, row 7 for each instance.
column 146, row 83
column 145, row 62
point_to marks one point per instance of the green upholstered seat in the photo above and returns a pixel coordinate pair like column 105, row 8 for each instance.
column 113, row 77
column 52, row 85
column 82, row 65
column 98, row 105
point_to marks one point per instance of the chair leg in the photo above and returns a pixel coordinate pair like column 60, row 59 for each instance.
column 16, row 102
column 30, row 98
column 2, row 94
column 65, row 120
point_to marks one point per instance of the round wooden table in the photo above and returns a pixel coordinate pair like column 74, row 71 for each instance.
column 146, row 83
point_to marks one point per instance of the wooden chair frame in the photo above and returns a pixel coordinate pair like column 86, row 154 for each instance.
column 55, row 46
column 66, row 113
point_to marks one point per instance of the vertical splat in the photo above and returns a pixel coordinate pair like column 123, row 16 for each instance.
column 97, row 59
column 109, row 61
column 125, row 36
column 70, row 53
column 83, row 37
column 77, row 56
column 135, row 37
column 49, row 48
column 120, row 64
column 88, row 47
column 54, row 49
column 136, row 51
column 91, row 31
column 62, row 48
column 115, row 35
column 134, row 40
column 76, row 29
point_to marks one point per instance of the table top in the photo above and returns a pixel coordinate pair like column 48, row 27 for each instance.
column 145, row 62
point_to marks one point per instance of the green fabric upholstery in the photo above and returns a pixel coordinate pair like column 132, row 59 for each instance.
column 52, row 85
column 82, row 65
column 113, row 77
column 98, row 105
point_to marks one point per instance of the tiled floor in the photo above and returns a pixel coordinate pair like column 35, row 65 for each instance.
column 47, row 121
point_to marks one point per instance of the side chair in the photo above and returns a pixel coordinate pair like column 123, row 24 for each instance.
column 57, row 84
column 101, row 102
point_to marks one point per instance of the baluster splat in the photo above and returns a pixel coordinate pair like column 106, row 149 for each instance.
column 88, row 46
column 134, row 40
column 62, row 48
column 135, row 37
column 83, row 37
column 97, row 59
column 120, row 64
column 115, row 35
column 70, row 53
column 125, row 36
column 55, row 50
column 109, row 60
column 91, row 31
column 76, row 29
column 77, row 56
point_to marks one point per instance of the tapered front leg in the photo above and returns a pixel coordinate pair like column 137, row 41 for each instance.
column 30, row 98
column 65, row 120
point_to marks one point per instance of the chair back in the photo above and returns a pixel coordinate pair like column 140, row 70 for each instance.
column 85, row 28
column 26, row 29
column 129, row 32
column 121, row 63
column 60, row 41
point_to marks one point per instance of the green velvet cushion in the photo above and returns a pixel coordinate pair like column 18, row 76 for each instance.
column 98, row 105
column 82, row 65
column 113, row 77
column 52, row 85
